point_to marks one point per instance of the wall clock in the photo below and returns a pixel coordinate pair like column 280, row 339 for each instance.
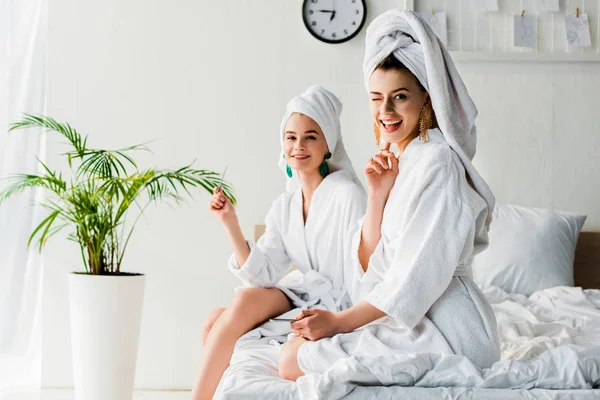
column 334, row 21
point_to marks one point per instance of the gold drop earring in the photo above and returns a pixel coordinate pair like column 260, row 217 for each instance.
column 377, row 134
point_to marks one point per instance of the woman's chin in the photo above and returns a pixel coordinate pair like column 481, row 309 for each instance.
column 394, row 137
column 305, row 169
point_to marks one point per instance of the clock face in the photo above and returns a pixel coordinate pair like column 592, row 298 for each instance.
column 334, row 21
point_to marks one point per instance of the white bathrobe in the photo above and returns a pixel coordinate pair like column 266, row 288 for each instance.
column 419, row 272
column 316, row 248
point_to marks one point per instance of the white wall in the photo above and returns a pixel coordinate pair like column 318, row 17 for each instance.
column 211, row 78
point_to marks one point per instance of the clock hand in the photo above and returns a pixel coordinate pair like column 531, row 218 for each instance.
column 333, row 13
column 327, row 11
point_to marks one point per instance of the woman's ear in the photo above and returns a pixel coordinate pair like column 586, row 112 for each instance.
column 427, row 97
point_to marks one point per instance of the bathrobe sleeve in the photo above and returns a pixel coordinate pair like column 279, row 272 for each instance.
column 356, row 280
column 354, row 213
column 437, row 235
column 268, row 261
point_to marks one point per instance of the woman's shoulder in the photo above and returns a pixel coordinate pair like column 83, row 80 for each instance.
column 435, row 150
column 436, row 157
column 282, row 206
column 283, row 199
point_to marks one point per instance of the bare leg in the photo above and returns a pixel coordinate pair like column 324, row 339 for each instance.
column 250, row 307
column 210, row 320
column 288, row 359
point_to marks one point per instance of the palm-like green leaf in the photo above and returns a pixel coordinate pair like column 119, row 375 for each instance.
column 107, row 163
column 20, row 182
column 32, row 121
column 44, row 228
column 96, row 202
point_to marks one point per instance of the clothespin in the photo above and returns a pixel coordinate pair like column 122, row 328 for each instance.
column 577, row 12
column 522, row 13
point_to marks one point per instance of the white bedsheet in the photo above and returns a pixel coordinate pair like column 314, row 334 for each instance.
column 550, row 349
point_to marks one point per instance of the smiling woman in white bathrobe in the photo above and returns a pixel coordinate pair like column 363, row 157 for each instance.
column 428, row 213
column 307, row 227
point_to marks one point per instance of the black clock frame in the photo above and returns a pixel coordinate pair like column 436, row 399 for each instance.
column 344, row 40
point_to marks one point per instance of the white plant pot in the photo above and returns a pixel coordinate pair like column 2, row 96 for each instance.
column 106, row 313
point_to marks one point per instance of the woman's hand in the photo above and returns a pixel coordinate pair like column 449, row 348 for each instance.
column 381, row 173
column 221, row 207
column 317, row 324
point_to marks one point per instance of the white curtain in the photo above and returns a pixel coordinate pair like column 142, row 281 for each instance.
column 23, row 34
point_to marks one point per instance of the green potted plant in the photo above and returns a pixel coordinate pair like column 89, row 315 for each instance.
column 100, row 202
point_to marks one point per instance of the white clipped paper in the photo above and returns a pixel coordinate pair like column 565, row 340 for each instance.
column 578, row 31
column 525, row 31
column 437, row 22
column 481, row 6
column 546, row 5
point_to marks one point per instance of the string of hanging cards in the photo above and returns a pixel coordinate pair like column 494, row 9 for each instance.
column 536, row 30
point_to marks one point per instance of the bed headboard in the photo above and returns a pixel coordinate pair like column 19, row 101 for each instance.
column 587, row 258
column 258, row 231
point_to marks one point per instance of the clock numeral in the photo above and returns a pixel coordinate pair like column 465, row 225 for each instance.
column 314, row 1
column 310, row 12
column 345, row 31
column 314, row 23
column 353, row 22
column 333, row 35
column 322, row 31
column 357, row 12
column 353, row 1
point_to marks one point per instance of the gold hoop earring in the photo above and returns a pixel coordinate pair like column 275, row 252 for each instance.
column 377, row 133
column 425, row 120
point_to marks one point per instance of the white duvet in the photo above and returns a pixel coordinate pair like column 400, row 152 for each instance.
column 550, row 340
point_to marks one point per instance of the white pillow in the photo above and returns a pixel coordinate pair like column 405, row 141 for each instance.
column 530, row 249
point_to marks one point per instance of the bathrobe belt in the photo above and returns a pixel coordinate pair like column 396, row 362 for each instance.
column 320, row 288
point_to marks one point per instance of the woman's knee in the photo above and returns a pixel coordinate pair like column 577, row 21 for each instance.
column 253, row 301
column 209, row 322
column 288, row 360
column 250, row 307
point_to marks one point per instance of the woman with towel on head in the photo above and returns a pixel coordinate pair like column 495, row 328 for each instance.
column 308, row 227
column 428, row 214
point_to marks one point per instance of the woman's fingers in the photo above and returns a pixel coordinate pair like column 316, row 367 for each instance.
column 301, row 315
column 392, row 160
column 386, row 153
column 384, row 160
column 375, row 166
column 216, row 198
column 218, row 195
column 219, row 199
column 387, row 146
column 298, row 324
column 395, row 161
column 381, row 160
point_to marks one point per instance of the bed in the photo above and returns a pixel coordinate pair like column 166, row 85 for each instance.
column 550, row 350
